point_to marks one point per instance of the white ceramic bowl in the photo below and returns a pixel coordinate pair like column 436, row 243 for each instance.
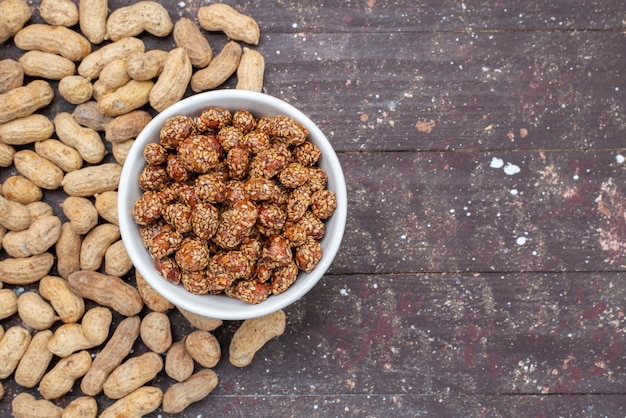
column 221, row 306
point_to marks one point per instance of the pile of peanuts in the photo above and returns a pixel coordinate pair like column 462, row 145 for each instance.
column 64, row 280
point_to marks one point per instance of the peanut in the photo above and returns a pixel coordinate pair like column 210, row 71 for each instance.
column 111, row 356
column 252, row 335
column 85, row 140
column 91, row 66
column 237, row 26
column 35, row 312
column 134, row 19
column 92, row 19
column 130, row 96
column 13, row 345
column 200, row 322
column 91, row 180
column 178, row 363
column 132, row 374
column 187, row 35
column 22, row 190
column 250, row 71
column 68, row 306
column 58, row 381
column 112, row 77
column 46, row 65
column 39, row 209
column 116, row 260
column 81, row 213
column 76, row 89
column 127, row 126
column 83, row 407
column 23, row 101
column 136, row 404
column 13, row 215
column 120, row 150
column 95, row 245
column 54, row 39
column 219, row 70
column 106, row 290
column 87, row 115
column 106, row 205
column 25, row 405
column 180, row 395
column 25, row 270
column 11, row 75
column 6, row 155
column 153, row 300
column 204, row 348
column 3, row 232
column 35, row 360
column 63, row 156
column 146, row 65
column 91, row 332
column 172, row 83
column 59, row 12
column 26, row 130
column 156, row 332
column 8, row 303
column 13, row 15
column 42, row 234
column 68, row 251
column 37, row 169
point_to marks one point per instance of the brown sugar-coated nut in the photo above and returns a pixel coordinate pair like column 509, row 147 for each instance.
column 227, row 206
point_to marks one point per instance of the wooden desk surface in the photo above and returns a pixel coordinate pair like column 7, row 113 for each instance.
column 482, row 272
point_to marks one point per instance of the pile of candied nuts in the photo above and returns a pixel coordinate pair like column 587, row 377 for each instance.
column 233, row 204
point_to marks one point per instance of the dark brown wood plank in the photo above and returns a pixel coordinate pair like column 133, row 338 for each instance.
column 447, row 91
column 453, row 211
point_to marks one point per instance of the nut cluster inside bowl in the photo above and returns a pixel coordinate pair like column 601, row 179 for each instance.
column 234, row 206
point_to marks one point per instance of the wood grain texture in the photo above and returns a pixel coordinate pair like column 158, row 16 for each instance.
column 482, row 271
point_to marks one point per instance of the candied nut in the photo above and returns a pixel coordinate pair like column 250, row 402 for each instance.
column 230, row 137
column 238, row 162
column 244, row 120
column 268, row 163
column 167, row 267
column 215, row 118
column 288, row 130
column 165, row 242
column 250, row 291
column 195, row 281
column 317, row 179
column 192, row 255
column 271, row 216
column 235, row 264
column 175, row 130
column 251, row 247
column 283, row 277
column 276, row 252
column 217, row 278
column 307, row 154
column 153, row 177
column 308, row 255
column 298, row 203
column 148, row 208
column 235, row 224
column 235, row 192
column 323, row 203
column 155, row 153
column 179, row 216
column 294, row 175
column 295, row 233
column 204, row 220
column 210, row 188
column 258, row 189
column 256, row 141
column 312, row 225
column 176, row 169
column 198, row 154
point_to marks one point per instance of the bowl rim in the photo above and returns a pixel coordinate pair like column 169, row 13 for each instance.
column 199, row 304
